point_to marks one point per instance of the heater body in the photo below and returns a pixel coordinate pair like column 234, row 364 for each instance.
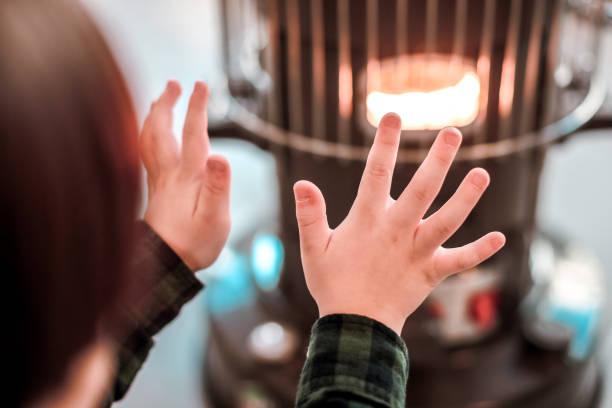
column 300, row 74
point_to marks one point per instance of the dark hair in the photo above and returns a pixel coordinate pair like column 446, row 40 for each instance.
column 70, row 180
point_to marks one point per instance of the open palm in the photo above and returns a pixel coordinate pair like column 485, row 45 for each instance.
column 384, row 259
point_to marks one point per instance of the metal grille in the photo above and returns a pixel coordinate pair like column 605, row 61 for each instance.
column 300, row 70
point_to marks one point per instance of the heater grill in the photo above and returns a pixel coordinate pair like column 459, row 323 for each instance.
column 301, row 71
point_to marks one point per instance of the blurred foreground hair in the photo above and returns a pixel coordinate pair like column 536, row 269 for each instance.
column 70, row 180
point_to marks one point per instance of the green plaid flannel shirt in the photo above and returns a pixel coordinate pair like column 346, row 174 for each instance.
column 166, row 284
column 352, row 361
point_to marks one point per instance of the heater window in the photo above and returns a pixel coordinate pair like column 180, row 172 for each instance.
column 428, row 92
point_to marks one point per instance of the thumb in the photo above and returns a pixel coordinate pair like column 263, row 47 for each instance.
column 311, row 216
column 215, row 193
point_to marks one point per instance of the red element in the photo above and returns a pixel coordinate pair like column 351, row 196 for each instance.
column 482, row 307
column 435, row 310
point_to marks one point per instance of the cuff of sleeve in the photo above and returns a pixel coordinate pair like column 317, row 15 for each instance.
column 354, row 355
column 153, row 248
column 168, row 282
column 164, row 284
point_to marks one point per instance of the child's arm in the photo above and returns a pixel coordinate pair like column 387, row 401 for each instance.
column 187, row 223
column 380, row 264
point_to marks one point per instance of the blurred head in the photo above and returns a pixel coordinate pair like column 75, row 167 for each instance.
column 69, row 176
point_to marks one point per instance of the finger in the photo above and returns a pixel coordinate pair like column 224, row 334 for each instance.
column 436, row 229
column 158, row 145
column 195, row 137
column 375, row 183
column 170, row 96
column 215, row 192
column 454, row 260
column 311, row 217
column 428, row 179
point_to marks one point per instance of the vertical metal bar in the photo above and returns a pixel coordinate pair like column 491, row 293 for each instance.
column 234, row 37
column 553, row 60
column 294, row 63
column 483, row 66
column 372, row 52
column 431, row 28
column 401, row 38
column 318, row 69
column 532, row 68
column 508, row 76
column 431, row 38
column 226, row 40
column 460, row 28
column 373, row 67
column 401, row 35
column 272, row 59
column 345, row 73
column 570, row 41
column 456, row 61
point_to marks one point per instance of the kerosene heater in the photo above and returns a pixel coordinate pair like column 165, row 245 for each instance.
column 308, row 80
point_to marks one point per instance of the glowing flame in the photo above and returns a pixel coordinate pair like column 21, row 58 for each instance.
column 454, row 105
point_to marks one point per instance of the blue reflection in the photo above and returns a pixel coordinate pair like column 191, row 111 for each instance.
column 267, row 255
column 232, row 287
column 583, row 323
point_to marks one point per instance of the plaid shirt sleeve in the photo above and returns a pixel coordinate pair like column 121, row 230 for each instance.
column 167, row 284
column 353, row 362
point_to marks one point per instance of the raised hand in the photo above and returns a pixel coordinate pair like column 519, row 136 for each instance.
column 383, row 260
column 188, row 187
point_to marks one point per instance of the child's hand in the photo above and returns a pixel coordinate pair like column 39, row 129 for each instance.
column 188, row 188
column 384, row 259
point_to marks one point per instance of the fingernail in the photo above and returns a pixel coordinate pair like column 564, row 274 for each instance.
column 497, row 241
column 215, row 166
column 301, row 196
column 391, row 120
column 479, row 179
column 452, row 137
